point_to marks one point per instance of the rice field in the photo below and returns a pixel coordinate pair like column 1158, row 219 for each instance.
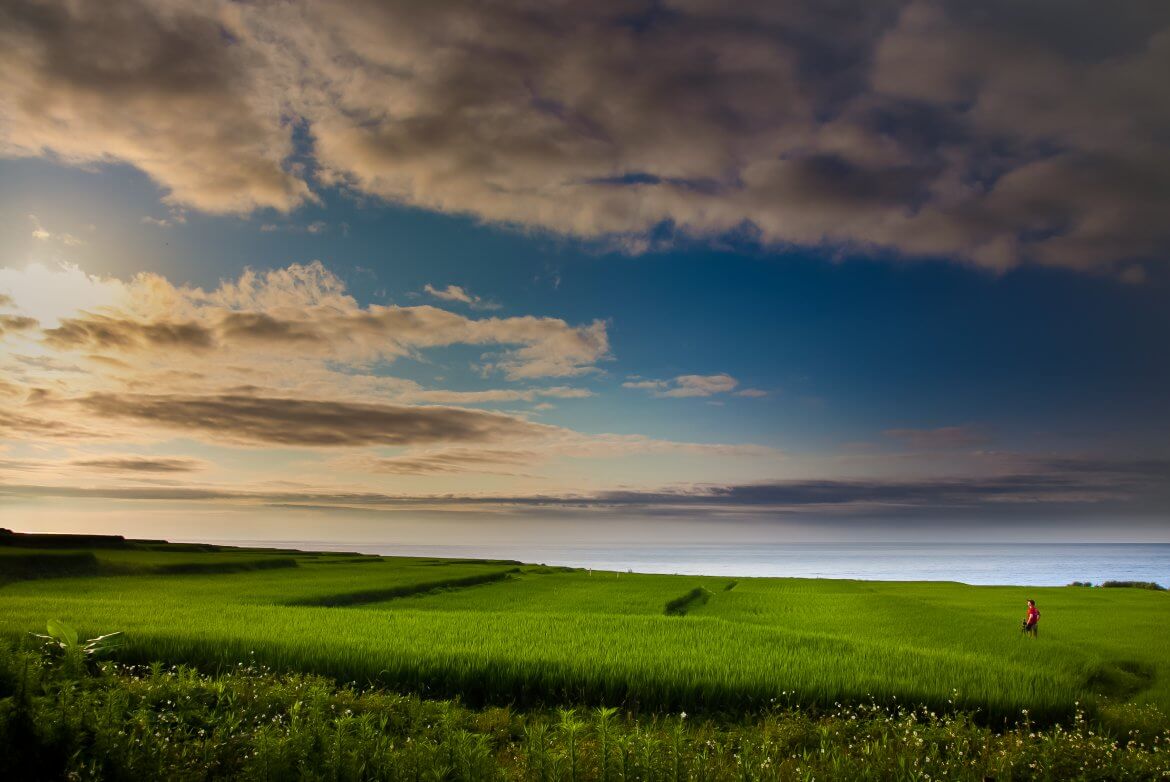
column 500, row 632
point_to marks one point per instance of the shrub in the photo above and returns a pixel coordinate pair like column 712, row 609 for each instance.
column 1134, row 585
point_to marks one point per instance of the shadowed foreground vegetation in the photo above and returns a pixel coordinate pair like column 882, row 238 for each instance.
column 58, row 721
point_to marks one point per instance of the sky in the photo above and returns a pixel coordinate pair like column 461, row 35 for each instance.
column 605, row 272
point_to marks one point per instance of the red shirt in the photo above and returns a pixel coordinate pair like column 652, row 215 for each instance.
column 1033, row 615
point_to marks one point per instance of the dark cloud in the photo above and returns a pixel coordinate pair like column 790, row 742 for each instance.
column 997, row 133
column 936, row 494
column 98, row 332
column 1155, row 470
column 262, row 327
column 258, row 420
column 136, row 464
column 1097, row 489
column 16, row 323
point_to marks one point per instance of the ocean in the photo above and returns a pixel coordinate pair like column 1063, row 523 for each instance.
column 1030, row 564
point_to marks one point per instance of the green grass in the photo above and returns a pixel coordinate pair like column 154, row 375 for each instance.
column 493, row 632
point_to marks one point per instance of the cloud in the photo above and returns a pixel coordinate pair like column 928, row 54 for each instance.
column 1011, row 496
column 140, row 464
column 287, row 359
column 549, row 346
column 39, row 233
column 753, row 393
column 258, row 420
column 921, row 128
column 491, row 461
column 114, row 464
column 99, row 332
column 294, row 313
column 18, row 426
column 11, row 323
column 537, row 452
column 169, row 89
column 942, row 438
column 262, row 328
column 248, row 418
column 690, row 386
column 450, row 293
column 315, row 227
column 1092, row 489
column 498, row 395
column 440, row 439
column 176, row 217
column 52, row 293
column 456, row 293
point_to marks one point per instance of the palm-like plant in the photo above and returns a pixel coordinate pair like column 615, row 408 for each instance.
column 63, row 642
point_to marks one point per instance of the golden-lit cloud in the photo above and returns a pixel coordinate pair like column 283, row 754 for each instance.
column 300, row 314
column 287, row 360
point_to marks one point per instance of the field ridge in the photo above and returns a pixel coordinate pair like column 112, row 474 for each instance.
column 362, row 596
column 693, row 599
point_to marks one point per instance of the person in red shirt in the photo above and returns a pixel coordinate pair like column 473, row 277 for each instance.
column 1032, row 619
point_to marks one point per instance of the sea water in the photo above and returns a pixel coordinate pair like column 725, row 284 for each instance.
column 1036, row 564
